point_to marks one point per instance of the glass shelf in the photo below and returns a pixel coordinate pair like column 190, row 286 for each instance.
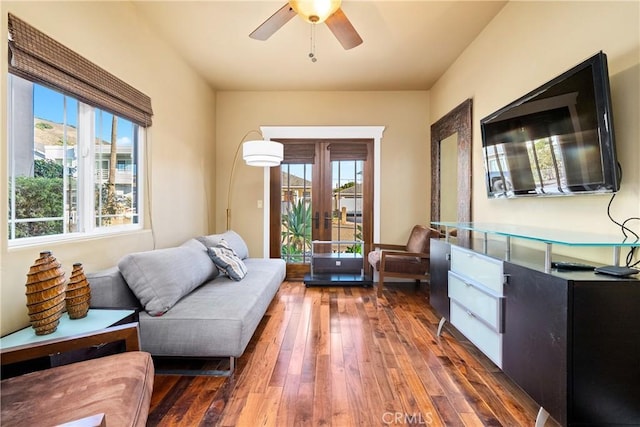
column 544, row 235
column 548, row 236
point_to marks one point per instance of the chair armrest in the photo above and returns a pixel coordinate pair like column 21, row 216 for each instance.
column 127, row 333
column 383, row 258
column 421, row 255
column 389, row 246
column 384, row 254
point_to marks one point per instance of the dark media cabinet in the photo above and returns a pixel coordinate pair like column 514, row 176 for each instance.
column 571, row 340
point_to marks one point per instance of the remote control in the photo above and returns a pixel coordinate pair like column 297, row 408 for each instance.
column 572, row 266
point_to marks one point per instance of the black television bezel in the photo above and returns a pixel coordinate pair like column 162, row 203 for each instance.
column 606, row 134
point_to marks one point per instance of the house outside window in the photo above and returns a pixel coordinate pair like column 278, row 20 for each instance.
column 73, row 168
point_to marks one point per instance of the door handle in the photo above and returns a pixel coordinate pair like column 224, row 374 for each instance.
column 316, row 219
column 327, row 220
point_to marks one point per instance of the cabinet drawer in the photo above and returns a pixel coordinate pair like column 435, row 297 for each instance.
column 487, row 340
column 480, row 303
column 482, row 269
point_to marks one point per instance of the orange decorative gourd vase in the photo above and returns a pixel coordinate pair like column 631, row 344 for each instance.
column 45, row 293
column 78, row 293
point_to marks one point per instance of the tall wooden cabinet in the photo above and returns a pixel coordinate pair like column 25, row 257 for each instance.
column 571, row 340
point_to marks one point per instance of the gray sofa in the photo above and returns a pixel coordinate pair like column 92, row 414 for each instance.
column 189, row 306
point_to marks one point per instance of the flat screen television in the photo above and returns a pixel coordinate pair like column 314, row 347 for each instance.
column 556, row 140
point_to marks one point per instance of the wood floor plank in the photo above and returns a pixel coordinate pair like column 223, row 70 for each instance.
column 341, row 356
column 304, row 405
column 322, row 408
column 300, row 341
column 340, row 411
column 191, row 406
column 162, row 385
column 162, row 411
column 268, row 414
column 281, row 369
column 286, row 415
column 311, row 345
column 360, row 406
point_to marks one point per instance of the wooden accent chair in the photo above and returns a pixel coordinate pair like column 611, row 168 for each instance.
column 410, row 261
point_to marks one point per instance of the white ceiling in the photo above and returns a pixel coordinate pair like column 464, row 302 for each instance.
column 407, row 44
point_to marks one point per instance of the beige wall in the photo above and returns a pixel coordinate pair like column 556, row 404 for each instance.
column 405, row 158
column 527, row 44
column 180, row 142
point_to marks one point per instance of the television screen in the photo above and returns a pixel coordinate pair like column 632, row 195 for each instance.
column 556, row 140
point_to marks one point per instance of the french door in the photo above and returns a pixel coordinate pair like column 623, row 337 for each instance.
column 322, row 191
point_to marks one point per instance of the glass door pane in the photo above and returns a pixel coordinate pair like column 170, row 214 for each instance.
column 295, row 207
column 348, row 198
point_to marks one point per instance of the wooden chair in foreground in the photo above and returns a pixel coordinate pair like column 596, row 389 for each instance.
column 410, row 261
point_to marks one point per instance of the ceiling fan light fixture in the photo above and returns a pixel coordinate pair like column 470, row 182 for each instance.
column 315, row 11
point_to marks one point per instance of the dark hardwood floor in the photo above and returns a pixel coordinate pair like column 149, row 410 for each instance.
column 340, row 356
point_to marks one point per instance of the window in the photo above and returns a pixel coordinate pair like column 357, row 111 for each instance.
column 73, row 167
column 75, row 137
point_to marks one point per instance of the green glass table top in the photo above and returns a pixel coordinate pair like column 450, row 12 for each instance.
column 95, row 320
column 545, row 235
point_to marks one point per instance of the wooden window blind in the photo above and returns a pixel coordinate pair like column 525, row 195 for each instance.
column 37, row 57
column 305, row 152
column 347, row 151
column 299, row 153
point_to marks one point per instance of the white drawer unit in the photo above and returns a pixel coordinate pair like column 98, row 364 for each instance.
column 475, row 290
column 483, row 303
column 485, row 338
column 477, row 267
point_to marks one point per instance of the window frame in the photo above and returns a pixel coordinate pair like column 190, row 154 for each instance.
column 86, row 176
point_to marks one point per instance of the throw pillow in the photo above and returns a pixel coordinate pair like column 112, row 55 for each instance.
column 234, row 240
column 228, row 261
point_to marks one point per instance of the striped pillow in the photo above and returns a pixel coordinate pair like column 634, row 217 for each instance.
column 227, row 260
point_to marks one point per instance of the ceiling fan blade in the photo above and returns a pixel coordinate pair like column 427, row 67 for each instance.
column 274, row 23
column 341, row 27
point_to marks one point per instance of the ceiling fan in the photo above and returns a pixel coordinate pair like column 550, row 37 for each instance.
column 315, row 12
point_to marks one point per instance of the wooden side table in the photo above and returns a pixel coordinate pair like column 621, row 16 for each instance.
column 100, row 333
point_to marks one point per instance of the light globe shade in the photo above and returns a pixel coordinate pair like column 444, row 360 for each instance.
column 262, row 153
column 315, row 11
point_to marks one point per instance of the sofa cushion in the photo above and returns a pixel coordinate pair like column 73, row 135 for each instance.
column 119, row 386
column 159, row 278
column 197, row 244
column 219, row 318
column 234, row 239
column 228, row 261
